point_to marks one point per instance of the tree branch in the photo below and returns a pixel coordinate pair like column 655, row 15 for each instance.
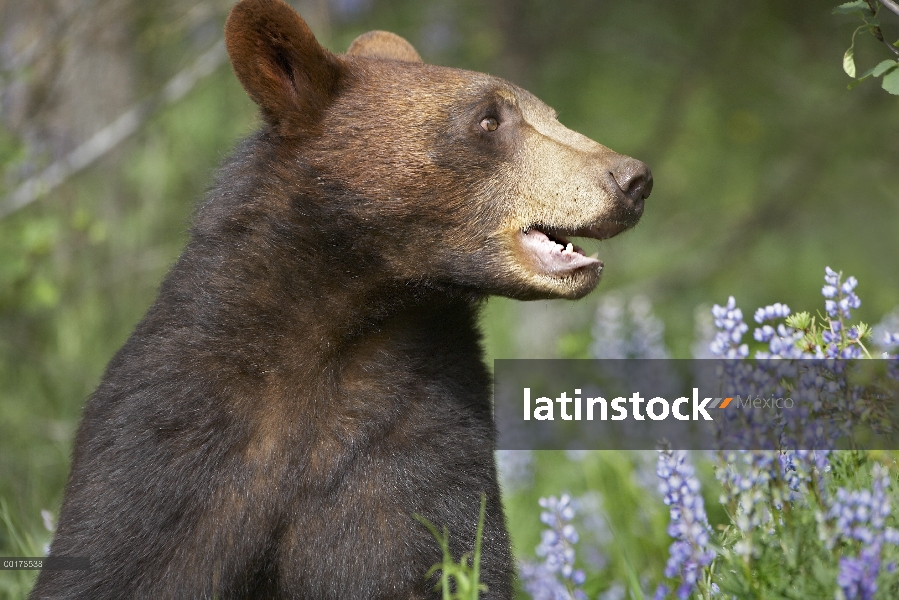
column 890, row 5
column 113, row 134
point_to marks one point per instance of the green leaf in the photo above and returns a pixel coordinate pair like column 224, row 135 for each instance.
column 891, row 82
column 867, row 73
column 884, row 67
column 849, row 62
column 852, row 7
column 864, row 330
column 862, row 77
column 802, row 320
column 466, row 573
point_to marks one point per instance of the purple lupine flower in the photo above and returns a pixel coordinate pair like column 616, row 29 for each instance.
column 542, row 580
column 515, row 469
column 886, row 335
column 609, row 338
column 850, row 284
column 769, row 313
column 661, row 592
column 782, row 342
column 858, row 576
column 627, row 330
column 745, row 482
column 689, row 525
column 860, row 516
column 541, row 583
column 746, row 478
column 595, row 526
column 730, row 325
column 785, row 342
column 630, row 330
column 703, row 333
column 763, row 334
column 806, row 425
column 557, row 545
column 648, row 331
column 841, row 297
column 803, row 467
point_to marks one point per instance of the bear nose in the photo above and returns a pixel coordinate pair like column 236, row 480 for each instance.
column 634, row 180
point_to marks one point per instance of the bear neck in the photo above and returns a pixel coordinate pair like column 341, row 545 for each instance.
column 282, row 275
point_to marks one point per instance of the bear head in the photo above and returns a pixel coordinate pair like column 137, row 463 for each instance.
column 458, row 179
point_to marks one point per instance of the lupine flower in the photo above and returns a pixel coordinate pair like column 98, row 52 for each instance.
column 746, row 482
column 515, row 469
column 858, row 576
column 595, row 527
column 841, row 297
column 802, row 467
column 819, row 388
column 886, row 335
column 759, row 484
column 750, row 429
column 616, row 591
column 769, row 313
column 631, row 331
column 703, row 333
column 609, row 338
column 541, row 583
column 628, row 330
column 860, row 516
column 750, row 489
column 689, row 526
column 555, row 578
column 729, row 321
column 890, row 340
column 783, row 341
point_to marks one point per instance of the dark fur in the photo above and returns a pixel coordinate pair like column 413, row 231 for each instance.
column 281, row 412
column 310, row 375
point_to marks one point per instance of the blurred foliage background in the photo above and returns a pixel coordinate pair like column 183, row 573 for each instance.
column 114, row 114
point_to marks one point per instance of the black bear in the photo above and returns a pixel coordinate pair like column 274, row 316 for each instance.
column 311, row 376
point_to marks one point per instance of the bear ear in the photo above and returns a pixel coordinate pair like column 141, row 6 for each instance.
column 280, row 63
column 384, row 45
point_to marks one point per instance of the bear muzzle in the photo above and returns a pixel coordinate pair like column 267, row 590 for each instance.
column 549, row 247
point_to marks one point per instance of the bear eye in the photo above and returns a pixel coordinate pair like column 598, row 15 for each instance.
column 489, row 124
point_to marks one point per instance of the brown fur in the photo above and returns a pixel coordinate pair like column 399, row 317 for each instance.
column 310, row 375
column 383, row 45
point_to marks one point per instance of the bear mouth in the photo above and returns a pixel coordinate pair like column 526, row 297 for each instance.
column 550, row 249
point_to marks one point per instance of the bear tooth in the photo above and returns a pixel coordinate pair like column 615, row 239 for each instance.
column 569, row 247
column 594, row 255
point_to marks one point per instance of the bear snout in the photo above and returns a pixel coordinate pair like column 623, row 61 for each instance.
column 633, row 181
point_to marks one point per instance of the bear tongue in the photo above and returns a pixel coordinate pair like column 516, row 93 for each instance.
column 553, row 258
